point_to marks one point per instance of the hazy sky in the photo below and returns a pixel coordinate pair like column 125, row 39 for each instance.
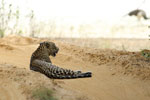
column 104, row 9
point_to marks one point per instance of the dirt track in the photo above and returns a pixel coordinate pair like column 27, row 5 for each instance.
column 117, row 75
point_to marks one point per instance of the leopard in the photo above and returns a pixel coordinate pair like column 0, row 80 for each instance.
column 40, row 62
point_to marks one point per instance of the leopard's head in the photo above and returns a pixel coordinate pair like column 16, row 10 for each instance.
column 51, row 48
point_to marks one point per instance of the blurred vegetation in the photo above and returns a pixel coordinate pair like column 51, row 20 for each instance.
column 32, row 25
column 13, row 20
column 43, row 93
column 9, row 19
column 3, row 19
column 145, row 53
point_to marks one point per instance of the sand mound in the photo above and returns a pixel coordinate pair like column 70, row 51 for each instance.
column 25, row 81
column 18, row 40
column 127, row 63
column 117, row 75
column 7, row 47
column 132, row 63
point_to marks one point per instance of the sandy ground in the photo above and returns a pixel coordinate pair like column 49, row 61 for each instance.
column 117, row 75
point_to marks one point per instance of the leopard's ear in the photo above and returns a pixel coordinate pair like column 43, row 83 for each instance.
column 47, row 44
column 41, row 43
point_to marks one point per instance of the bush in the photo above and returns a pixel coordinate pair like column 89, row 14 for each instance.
column 43, row 94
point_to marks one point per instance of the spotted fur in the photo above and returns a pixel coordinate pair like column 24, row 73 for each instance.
column 41, row 62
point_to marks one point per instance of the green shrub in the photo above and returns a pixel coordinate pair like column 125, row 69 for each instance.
column 145, row 53
column 43, row 94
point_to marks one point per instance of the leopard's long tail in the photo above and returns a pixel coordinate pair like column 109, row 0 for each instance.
column 55, row 72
